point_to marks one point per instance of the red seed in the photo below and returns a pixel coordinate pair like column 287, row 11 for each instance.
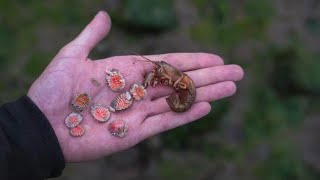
column 121, row 102
column 73, row 119
column 138, row 92
column 115, row 80
column 77, row 131
column 100, row 113
column 80, row 102
column 118, row 128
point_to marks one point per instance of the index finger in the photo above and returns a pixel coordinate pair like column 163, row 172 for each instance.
column 182, row 61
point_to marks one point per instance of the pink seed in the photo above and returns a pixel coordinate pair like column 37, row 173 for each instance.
column 77, row 131
column 115, row 80
column 80, row 102
column 138, row 92
column 100, row 113
column 73, row 119
column 118, row 128
column 121, row 102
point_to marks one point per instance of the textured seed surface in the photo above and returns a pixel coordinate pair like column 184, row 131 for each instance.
column 115, row 80
column 118, row 128
column 138, row 92
column 73, row 119
column 121, row 102
column 77, row 131
column 100, row 113
column 80, row 102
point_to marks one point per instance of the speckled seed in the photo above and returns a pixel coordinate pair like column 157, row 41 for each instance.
column 121, row 102
column 138, row 92
column 80, row 102
column 115, row 80
column 77, row 131
column 73, row 119
column 100, row 113
column 118, row 128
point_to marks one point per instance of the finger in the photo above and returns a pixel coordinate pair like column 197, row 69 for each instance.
column 182, row 61
column 169, row 120
column 203, row 77
column 206, row 93
column 94, row 32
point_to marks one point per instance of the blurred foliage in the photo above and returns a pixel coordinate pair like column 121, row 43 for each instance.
column 227, row 26
column 180, row 137
column 313, row 25
column 284, row 87
column 282, row 164
column 145, row 15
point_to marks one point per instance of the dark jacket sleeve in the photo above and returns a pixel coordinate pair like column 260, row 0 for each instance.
column 29, row 148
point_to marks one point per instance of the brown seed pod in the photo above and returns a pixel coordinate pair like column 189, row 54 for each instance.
column 95, row 82
column 115, row 80
column 100, row 113
column 77, row 131
column 118, row 128
column 138, row 92
column 73, row 119
column 121, row 102
column 80, row 102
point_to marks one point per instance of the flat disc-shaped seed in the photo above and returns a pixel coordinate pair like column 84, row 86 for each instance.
column 77, row 131
column 115, row 80
column 80, row 102
column 100, row 113
column 138, row 92
column 118, row 128
column 73, row 119
column 121, row 102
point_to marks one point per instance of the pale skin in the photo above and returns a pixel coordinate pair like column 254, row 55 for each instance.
column 71, row 72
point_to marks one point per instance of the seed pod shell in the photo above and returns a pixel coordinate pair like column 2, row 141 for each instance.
column 122, row 102
column 100, row 113
column 73, row 119
column 80, row 102
column 115, row 80
column 138, row 92
column 118, row 128
column 77, row 131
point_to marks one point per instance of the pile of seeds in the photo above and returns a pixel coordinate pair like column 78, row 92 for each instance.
column 100, row 113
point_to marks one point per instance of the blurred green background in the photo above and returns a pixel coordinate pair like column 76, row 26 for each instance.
column 268, row 130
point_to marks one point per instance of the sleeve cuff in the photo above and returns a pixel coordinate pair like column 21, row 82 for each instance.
column 34, row 135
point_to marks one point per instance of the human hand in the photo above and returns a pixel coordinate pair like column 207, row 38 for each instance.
column 71, row 71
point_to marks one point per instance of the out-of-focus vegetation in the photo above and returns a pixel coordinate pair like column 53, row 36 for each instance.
column 256, row 132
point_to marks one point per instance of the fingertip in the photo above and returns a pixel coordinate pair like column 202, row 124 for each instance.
column 238, row 71
column 96, row 30
column 201, row 109
column 216, row 59
column 231, row 87
column 89, row 37
column 104, row 17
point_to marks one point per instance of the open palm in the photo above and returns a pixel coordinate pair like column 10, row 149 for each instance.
column 71, row 71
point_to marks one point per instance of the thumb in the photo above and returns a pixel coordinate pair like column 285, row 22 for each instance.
column 90, row 36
